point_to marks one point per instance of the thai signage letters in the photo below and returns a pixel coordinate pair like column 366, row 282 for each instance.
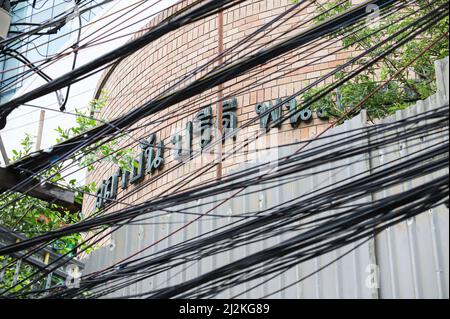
column 151, row 159
column 197, row 133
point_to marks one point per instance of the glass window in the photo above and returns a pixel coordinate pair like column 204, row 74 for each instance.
column 40, row 47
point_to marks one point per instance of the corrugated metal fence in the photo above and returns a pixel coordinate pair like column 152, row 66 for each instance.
column 408, row 260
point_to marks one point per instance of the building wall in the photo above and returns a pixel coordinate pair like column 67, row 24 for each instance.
column 407, row 260
column 147, row 73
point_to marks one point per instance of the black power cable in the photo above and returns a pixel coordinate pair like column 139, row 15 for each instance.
column 195, row 14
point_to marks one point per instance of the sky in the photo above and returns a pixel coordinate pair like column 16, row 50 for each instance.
column 26, row 118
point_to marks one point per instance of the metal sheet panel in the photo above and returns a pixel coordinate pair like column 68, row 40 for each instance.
column 413, row 255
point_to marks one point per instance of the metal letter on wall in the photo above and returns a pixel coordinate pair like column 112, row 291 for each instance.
column 111, row 187
column 149, row 160
column 107, row 191
column 155, row 159
column 124, row 174
column 322, row 114
column 229, row 117
column 183, row 144
column 262, row 109
column 138, row 170
column 99, row 197
column 298, row 115
column 202, row 126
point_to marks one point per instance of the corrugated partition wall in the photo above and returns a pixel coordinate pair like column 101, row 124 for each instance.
column 408, row 260
column 414, row 256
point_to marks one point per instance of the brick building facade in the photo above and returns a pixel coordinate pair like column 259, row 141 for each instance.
column 144, row 75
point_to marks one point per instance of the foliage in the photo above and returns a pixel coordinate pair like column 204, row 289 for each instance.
column 417, row 83
column 111, row 151
column 31, row 216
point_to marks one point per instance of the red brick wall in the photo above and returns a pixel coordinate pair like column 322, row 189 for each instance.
column 145, row 74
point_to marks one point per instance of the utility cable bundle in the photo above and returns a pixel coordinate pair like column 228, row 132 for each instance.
column 337, row 218
column 284, row 219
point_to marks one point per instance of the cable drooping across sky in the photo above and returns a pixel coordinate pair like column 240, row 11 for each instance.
column 345, row 226
column 353, row 224
column 392, row 175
